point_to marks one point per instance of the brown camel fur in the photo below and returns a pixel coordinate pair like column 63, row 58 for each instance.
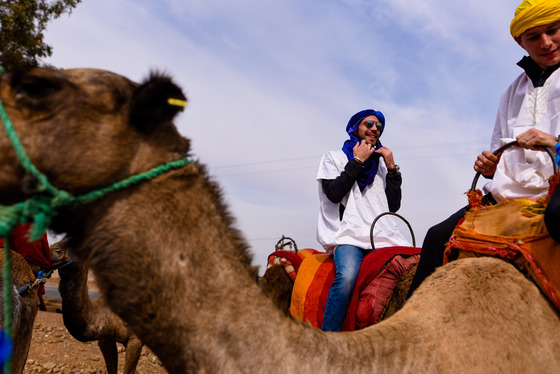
column 278, row 285
column 88, row 320
column 24, row 308
column 169, row 261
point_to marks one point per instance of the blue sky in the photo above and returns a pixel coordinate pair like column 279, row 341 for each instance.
column 272, row 84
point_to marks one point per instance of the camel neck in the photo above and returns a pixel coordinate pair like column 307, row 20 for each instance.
column 185, row 297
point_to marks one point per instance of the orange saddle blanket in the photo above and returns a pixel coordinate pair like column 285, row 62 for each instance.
column 514, row 231
column 379, row 273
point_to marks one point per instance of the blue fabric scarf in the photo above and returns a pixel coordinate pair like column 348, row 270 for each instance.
column 372, row 163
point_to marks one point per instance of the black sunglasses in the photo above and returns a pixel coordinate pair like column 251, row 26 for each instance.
column 370, row 123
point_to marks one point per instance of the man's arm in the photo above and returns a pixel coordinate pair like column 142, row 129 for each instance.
column 336, row 189
column 393, row 182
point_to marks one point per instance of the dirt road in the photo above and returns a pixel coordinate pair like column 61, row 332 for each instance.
column 54, row 350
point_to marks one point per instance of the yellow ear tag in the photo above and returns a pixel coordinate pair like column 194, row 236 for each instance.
column 177, row 102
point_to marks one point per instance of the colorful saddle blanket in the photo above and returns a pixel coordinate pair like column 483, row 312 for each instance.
column 514, row 231
column 379, row 273
column 289, row 260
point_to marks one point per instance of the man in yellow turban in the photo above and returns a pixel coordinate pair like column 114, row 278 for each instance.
column 529, row 112
column 533, row 13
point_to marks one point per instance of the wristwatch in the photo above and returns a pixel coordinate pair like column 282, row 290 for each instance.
column 397, row 169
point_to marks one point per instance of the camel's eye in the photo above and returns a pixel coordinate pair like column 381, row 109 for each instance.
column 36, row 93
column 36, row 88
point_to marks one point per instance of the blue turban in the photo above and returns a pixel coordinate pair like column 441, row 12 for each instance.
column 372, row 163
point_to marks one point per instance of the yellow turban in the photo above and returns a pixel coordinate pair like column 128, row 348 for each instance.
column 532, row 13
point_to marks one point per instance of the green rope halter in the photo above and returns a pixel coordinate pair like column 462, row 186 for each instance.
column 42, row 208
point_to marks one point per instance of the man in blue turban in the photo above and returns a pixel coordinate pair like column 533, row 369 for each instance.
column 356, row 184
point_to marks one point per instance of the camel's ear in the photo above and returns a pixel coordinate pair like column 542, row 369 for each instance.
column 156, row 100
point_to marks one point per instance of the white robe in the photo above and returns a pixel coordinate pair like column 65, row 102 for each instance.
column 361, row 208
column 522, row 172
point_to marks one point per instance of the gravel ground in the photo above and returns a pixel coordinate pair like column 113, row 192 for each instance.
column 54, row 350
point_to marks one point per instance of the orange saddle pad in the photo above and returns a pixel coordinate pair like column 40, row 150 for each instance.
column 514, row 231
column 379, row 273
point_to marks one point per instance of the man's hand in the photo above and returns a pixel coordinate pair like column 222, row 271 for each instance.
column 362, row 150
column 387, row 154
column 533, row 138
column 486, row 163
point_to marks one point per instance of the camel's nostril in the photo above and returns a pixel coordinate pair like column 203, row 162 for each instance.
column 29, row 184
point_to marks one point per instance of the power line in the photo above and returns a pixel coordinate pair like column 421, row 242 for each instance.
column 317, row 157
column 267, row 162
column 269, row 171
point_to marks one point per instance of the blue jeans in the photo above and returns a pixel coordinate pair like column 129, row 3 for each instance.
column 347, row 261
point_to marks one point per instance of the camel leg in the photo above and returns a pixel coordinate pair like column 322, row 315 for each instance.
column 108, row 348
column 26, row 308
column 22, row 343
column 133, row 352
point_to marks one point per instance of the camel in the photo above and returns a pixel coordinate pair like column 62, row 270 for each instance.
column 171, row 263
column 24, row 308
column 88, row 320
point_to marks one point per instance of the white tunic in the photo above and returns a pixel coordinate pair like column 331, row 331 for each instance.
column 522, row 172
column 361, row 208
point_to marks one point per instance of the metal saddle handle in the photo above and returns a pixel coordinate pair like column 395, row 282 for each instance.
column 509, row 145
column 393, row 214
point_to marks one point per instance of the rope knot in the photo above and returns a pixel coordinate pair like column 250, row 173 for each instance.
column 40, row 211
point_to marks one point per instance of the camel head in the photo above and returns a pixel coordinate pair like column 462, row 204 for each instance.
column 121, row 128
column 60, row 254
column 63, row 260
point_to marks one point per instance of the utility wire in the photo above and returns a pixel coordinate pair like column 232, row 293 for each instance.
column 269, row 171
column 317, row 157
